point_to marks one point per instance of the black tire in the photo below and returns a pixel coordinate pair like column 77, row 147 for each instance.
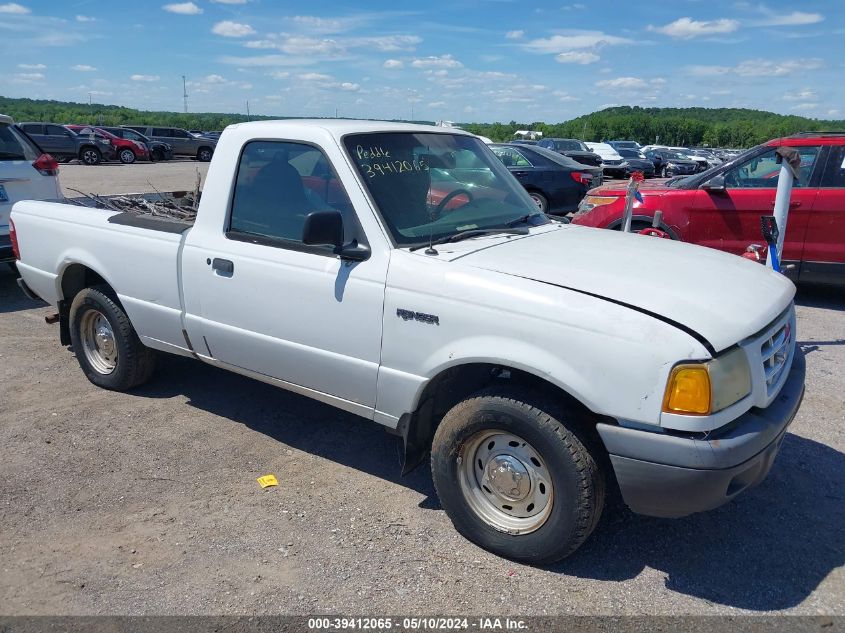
column 540, row 200
column 204, row 154
column 126, row 156
column 578, row 483
column 135, row 362
column 90, row 156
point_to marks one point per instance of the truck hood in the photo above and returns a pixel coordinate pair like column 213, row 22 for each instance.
column 715, row 296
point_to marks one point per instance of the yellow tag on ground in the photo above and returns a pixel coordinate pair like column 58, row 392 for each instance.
column 268, row 480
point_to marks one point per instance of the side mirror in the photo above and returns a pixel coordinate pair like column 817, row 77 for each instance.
column 716, row 183
column 323, row 227
column 326, row 227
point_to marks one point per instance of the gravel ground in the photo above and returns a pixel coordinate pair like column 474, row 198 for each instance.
column 146, row 502
column 175, row 175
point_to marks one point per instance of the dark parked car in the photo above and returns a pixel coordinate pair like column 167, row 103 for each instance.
column 555, row 183
column 127, row 151
column 158, row 150
column 636, row 161
column 183, row 142
column 64, row 144
column 575, row 149
column 669, row 163
column 525, row 142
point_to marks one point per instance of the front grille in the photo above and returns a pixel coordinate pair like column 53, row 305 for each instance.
column 774, row 353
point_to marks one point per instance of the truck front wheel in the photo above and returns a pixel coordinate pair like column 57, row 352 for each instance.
column 515, row 479
column 105, row 343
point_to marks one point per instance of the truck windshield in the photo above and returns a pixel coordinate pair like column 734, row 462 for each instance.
column 430, row 186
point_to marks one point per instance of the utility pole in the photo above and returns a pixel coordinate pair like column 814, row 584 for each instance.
column 90, row 107
column 247, row 110
column 185, row 93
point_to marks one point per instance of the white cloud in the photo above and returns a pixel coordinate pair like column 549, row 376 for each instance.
column 687, row 28
column 326, row 25
column 802, row 95
column 279, row 74
column 436, row 104
column 182, row 8
column 83, row 68
column 562, row 95
column 350, row 87
column 805, row 106
column 441, row 61
column 315, row 77
column 29, row 76
column 515, row 35
column 573, row 41
column 229, row 1
column 622, row 83
column 32, row 66
column 577, row 57
column 834, row 112
column 13, row 7
column 144, row 77
column 469, row 109
column 227, row 28
column 85, row 18
column 393, row 63
column 214, row 79
column 796, row 18
column 758, row 68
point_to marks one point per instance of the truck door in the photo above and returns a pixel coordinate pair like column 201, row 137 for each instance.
column 730, row 220
column 823, row 260
column 270, row 303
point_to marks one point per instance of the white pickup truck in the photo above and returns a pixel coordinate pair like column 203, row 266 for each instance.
column 401, row 273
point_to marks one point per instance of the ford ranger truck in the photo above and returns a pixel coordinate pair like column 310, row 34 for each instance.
column 401, row 273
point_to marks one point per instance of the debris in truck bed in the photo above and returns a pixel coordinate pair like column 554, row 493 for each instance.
column 176, row 206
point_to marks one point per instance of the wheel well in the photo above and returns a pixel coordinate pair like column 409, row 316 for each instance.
column 88, row 146
column 208, row 147
column 75, row 277
column 637, row 219
column 455, row 384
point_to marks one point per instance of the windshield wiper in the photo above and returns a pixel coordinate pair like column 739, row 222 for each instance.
column 457, row 237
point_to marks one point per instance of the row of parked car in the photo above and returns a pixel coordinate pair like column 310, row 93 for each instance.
column 92, row 145
column 558, row 172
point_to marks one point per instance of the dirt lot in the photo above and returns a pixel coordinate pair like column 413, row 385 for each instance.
column 146, row 503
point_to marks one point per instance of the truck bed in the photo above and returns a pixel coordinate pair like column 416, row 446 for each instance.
column 140, row 217
column 137, row 254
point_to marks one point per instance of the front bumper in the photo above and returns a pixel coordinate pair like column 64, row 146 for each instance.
column 672, row 476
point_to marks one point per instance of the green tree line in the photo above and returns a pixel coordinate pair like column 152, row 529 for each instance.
column 715, row 127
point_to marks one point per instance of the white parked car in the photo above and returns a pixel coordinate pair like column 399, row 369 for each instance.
column 612, row 162
column 25, row 174
column 400, row 272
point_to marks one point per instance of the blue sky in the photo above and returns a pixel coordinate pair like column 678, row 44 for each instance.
column 460, row 60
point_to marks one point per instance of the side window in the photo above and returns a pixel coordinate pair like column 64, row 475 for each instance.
column 761, row 172
column 179, row 134
column 56, row 130
column 834, row 173
column 511, row 157
column 161, row 131
column 278, row 184
column 31, row 128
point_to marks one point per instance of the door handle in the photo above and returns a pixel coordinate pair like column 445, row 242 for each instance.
column 519, row 173
column 223, row 267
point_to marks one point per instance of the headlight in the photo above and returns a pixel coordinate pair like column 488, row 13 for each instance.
column 705, row 388
column 591, row 202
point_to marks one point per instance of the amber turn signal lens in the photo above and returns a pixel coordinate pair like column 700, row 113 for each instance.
column 688, row 391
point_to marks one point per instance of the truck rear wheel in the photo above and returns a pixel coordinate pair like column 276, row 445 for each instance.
column 105, row 343
column 514, row 477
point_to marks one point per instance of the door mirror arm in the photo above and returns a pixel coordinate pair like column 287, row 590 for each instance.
column 716, row 183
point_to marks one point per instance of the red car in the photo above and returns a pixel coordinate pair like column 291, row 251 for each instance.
column 721, row 207
column 127, row 151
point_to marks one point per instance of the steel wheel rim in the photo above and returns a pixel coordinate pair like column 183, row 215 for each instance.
column 538, row 201
column 127, row 156
column 205, row 155
column 505, row 482
column 98, row 342
column 89, row 157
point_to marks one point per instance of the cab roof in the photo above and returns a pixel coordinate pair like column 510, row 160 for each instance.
column 341, row 127
column 809, row 138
